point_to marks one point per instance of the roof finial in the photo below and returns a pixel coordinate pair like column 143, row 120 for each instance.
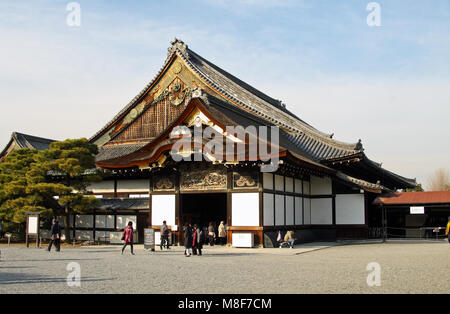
column 359, row 145
column 177, row 44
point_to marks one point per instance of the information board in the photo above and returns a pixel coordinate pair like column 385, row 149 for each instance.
column 415, row 210
column 149, row 239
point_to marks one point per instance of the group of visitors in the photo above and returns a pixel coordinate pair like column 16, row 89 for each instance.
column 219, row 237
column 194, row 238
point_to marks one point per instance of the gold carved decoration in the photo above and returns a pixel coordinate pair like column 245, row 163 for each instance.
column 164, row 183
column 244, row 181
column 176, row 92
column 177, row 68
column 208, row 179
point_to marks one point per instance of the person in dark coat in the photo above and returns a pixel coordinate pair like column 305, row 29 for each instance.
column 197, row 240
column 55, row 237
column 128, row 237
column 187, row 239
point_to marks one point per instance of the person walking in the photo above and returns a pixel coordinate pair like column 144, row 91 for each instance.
column 164, row 236
column 197, row 241
column 447, row 230
column 128, row 237
column 211, row 234
column 55, row 237
column 222, row 233
column 187, row 239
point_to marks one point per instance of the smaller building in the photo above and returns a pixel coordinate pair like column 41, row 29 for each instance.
column 414, row 214
column 19, row 141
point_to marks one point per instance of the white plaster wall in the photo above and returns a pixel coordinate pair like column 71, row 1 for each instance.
column 268, row 181
column 298, row 211
column 279, row 210
column 298, row 186
column 290, row 210
column 307, row 211
column 289, row 184
column 321, row 211
column 279, row 183
column 320, row 186
column 245, row 209
column 350, row 209
column 306, row 188
column 163, row 208
column 268, row 218
column 101, row 187
column 126, row 186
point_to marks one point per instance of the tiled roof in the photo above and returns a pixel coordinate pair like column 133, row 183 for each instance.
column 320, row 145
column 414, row 198
column 365, row 185
column 108, row 152
column 27, row 141
column 30, row 141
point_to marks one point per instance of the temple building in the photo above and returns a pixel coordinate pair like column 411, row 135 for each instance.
column 19, row 140
column 323, row 188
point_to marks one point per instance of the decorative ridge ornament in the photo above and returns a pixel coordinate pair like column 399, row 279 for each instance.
column 177, row 44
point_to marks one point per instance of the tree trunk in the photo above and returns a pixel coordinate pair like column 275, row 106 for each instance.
column 67, row 223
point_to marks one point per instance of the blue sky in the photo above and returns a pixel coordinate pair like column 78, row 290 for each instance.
column 387, row 85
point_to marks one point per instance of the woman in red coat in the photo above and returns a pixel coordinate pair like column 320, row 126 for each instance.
column 128, row 237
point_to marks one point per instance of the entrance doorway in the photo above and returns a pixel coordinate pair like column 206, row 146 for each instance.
column 203, row 208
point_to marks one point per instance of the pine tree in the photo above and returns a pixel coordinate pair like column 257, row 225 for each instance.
column 52, row 182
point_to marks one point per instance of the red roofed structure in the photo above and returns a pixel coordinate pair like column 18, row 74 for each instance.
column 413, row 214
column 414, row 198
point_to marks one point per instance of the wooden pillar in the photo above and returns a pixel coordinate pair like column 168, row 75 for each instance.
column 178, row 207
column 229, row 205
column 261, row 210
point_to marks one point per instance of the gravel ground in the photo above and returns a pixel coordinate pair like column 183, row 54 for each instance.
column 405, row 268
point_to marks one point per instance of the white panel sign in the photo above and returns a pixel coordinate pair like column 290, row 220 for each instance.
column 32, row 225
column 416, row 210
column 163, row 208
column 350, row 209
column 245, row 209
column 268, row 209
column 244, row 240
column 321, row 211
